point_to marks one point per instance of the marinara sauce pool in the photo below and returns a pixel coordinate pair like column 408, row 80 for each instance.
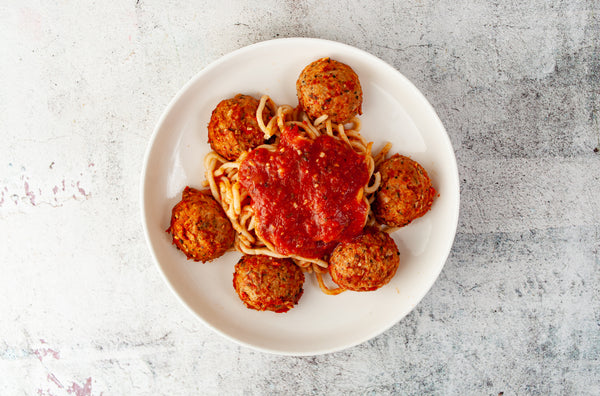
column 307, row 194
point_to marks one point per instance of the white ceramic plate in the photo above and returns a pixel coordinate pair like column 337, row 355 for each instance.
column 393, row 110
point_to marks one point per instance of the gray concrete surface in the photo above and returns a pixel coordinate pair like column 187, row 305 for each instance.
column 516, row 310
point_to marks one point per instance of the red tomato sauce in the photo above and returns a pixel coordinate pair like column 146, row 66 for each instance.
column 305, row 195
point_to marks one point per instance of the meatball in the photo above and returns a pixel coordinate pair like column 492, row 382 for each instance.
column 329, row 87
column 405, row 192
column 199, row 227
column 366, row 262
column 268, row 284
column 233, row 128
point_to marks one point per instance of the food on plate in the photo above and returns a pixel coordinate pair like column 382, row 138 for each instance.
column 405, row 192
column 233, row 128
column 267, row 283
column 199, row 227
column 365, row 263
column 331, row 88
column 302, row 193
column 308, row 194
column 298, row 189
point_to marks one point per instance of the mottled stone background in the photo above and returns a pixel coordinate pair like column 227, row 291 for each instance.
column 84, row 311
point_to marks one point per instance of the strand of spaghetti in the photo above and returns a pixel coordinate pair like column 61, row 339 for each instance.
column 252, row 222
column 360, row 195
column 320, row 119
column 217, row 157
column 321, row 270
column 265, row 101
column 270, row 246
column 380, row 157
column 236, row 225
column 355, row 135
column 311, row 132
column 356, row 124
column 210, row 162
column 358, row 147
column 370, row 161
column 282, row 112
column 319, row 262
column 342, row 133
column 303, row 117
column 325, row 289
column 256, row 251
column 225, row 189
column 271, row 105
column 328, row 127
column 237, row 207
column 309, row 126
column 305, row 266
column 271, row 127
column 375, row 186
column 227, row 203
column 259, row 119
column 270, row 147
column 361, row 145
column 249, row 243
column 242, row 245
column 226, row 167
column 370, row 189
column 246, row 218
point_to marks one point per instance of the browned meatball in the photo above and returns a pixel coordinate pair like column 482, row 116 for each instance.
column 268, row 284
column 329, row 87
column 233, row 128
column 366, row 263
column 199, row 227
column 405, row 192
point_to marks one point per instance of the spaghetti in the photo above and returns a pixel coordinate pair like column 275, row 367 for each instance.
column 223, row 178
